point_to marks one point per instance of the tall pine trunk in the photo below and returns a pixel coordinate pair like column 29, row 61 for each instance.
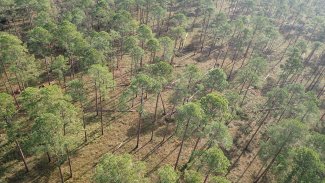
column 233, row 65
column 249, row 85
column 321, row 92
column 48, row 157
column 69, row 162
column 61, row 174
column 96, row 98
column 155, row 116
column 84, row 122
column 101, row 114
column 22, row 155
column 225, row 57
column 163, row 104
column 140, row 119
column 182, row 143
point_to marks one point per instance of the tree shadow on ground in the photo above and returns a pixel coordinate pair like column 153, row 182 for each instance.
column 145, row 128
column 162, row 160
column 40, row 172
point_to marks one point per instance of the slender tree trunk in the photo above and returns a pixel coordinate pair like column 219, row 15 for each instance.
column 205, row 32
column 207, row 176
column 304, row 116
column 210, row 49
column 319, row 73
column 173, row 109
column 216, row 61
column 64, row 127
column 225, row 57
column 250, row 44
column 139, row 121
column 192, row 154
column 69, row 162
column 249, row 85
column 61, row 174
column 163, row 104
column 133, row 98
column 285, row 109
column 172, row 59
column 321, row 92
column 155, row 116
column 72, row 68
column 141, row 62
column 310, row 56
column 196, row 144
column 48, row 156
column 250, row 56
column 321, row 118
column 315, row 73
column 316, row 80
column 96, row 98
column 131, row 72
column 285, row 51
column 261, row 124
column 261, row 169
column 22, row 155
column 233, row 65
column 182, row 143
column 84, row 121
column 101, row 114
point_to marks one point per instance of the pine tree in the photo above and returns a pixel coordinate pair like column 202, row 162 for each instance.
column 119, row 169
